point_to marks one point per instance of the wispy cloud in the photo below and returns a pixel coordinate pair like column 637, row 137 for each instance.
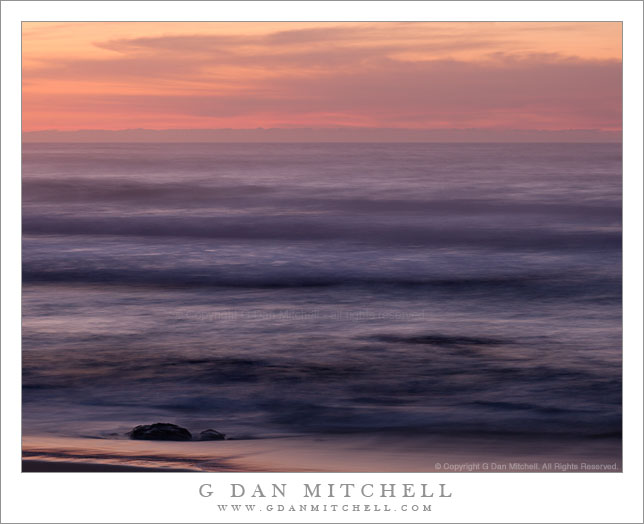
column 382, row 75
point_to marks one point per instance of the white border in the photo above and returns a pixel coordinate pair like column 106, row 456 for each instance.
column 151, row 497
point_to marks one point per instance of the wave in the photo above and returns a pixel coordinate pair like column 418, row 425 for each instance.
column 146, row 194
column 442, row 340
column 385, row 391
column 300, row 228
column 556, row 285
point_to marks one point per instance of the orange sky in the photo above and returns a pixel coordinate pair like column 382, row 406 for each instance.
column 171, row 75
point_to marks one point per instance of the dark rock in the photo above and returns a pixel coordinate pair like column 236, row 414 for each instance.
column 211, row 434
column 160, row 431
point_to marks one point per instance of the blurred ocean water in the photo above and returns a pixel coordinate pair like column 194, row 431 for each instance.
column 281, row 289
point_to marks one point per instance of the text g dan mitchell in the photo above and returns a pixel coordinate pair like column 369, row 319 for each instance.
column 343, row 490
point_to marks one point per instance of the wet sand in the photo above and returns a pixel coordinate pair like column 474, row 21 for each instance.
column 344, row 453
column 44, row 466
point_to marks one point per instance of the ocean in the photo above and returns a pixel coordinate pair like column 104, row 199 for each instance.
column 270, row 290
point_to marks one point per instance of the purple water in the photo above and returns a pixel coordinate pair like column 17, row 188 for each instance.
column 281, row 289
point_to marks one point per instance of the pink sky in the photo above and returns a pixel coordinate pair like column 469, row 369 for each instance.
column 497, row 76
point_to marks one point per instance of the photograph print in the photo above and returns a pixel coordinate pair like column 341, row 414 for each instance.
column 321, row 246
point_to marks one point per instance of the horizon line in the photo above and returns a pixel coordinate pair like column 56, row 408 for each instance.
column 323, row 135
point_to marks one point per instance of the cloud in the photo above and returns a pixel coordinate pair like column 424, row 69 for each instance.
column 353, row 74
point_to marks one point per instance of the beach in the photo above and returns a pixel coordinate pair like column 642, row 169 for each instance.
column 340, row 453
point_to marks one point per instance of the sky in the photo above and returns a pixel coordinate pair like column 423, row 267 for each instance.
column 494, row 76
